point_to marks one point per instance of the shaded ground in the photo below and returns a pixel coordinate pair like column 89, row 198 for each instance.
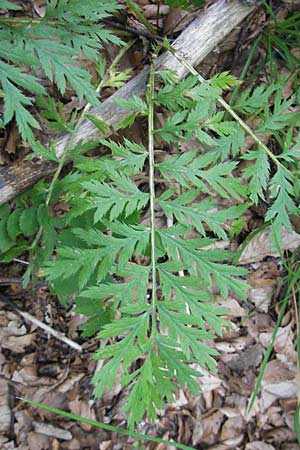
column 43, row 368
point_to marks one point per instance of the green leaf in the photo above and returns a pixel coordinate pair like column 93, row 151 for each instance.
column 187, row 291
column 99, row 123
column 5, row 241
column 282, row 192
column 13, row 225
column 28, row 221
column 5, row 4
column 224, row 80
column 135, row 103
column 258, row 173
column 184, row 3
column 124, row 200
column 198, row 261
column 189, row 169
column 200, row 212
column 15, row 101
column 250, row 102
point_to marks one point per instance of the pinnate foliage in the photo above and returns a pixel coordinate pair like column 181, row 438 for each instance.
column 159, row 329
column 149, row 288
column 69, row 30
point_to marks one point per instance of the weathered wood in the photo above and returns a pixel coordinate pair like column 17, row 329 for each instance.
column 194, row 43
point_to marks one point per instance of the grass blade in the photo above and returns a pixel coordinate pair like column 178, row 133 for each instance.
column 104, row 426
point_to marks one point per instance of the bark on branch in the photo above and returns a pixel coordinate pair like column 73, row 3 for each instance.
column 195, row 43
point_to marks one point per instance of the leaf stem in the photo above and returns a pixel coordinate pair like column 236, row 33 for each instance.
column 152, row 187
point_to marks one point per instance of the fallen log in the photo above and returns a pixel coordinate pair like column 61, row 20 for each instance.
column 194, row 43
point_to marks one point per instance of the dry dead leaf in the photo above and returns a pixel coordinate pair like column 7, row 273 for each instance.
column 17, row 344
column 232, row 428
column 105, row 445
column 83, row 409
column 6, row 445
column 212, row 423
column 284, row 343
column 208, row 381
column 5, row 412
column 151, row 11
column 277, row 371
column 13, row 333
column 279, row 435
column 38, row 441
column 220, row 447
column 234, row 308
column 177, row 19
column 52, row 431
column 261, row 297
column 259, row 445
column 262, row 245
column 54, row 399
column 40, row 7
column 277, row 391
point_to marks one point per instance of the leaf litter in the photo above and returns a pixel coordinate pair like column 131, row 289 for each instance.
column 35, row 366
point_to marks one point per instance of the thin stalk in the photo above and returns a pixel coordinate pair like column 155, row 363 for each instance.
column 139, row 14
column 152, row 188
column 270, row 348
column 292, row 282
column 69, row 144
column 22, row 20
column 105, row 426
column 226, row 106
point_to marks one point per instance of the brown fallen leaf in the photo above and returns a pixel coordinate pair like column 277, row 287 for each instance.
column 212, row 423
column 5, row 412
column 262, row 245
column 232, row 428
column 259, row 445
column 37, row 441
column 52, row 431
column 279, row 435
column 83, row 409
column 284, row 343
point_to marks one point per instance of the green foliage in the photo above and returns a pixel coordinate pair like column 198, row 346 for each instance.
column 280, row 39
column 184, row 3
column 55, row 43
column 164, row 330
column 149, row 287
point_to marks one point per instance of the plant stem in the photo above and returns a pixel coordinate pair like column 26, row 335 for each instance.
column 152, row 187
column 21, row 20
column 139, row 14
column 226, row 106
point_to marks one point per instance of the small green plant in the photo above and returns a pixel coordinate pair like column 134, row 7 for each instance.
column 145, row 286
column 141, row 260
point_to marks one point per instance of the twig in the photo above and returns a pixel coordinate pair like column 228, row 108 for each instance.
column 38, row 323
column 139, row 33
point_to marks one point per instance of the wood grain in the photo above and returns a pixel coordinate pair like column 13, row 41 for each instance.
column 195, row 43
